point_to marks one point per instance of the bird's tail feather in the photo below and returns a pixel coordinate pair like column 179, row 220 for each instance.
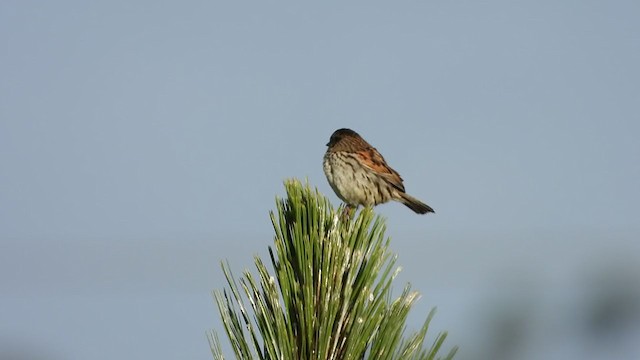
column 414, row 204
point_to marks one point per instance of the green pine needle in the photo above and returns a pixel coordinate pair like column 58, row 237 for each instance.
column 330, row 294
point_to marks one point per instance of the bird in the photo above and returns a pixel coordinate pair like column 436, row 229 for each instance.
column 359, row 175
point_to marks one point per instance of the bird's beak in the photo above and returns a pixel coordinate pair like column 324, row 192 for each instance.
column 327, row 144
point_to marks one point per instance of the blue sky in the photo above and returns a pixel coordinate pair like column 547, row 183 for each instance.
column 143, row 142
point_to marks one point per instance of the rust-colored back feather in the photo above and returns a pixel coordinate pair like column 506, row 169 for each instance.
column 373, row 160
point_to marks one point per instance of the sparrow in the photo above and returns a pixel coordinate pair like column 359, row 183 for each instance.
column 359, row 175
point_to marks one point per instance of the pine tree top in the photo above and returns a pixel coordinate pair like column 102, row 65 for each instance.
column 330, row 293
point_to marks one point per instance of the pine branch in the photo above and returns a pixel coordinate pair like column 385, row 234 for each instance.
column 330, row 295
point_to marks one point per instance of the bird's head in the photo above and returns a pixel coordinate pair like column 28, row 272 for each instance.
column 341, row 134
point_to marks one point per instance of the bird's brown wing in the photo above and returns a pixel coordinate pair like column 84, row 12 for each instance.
column 373, row 161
